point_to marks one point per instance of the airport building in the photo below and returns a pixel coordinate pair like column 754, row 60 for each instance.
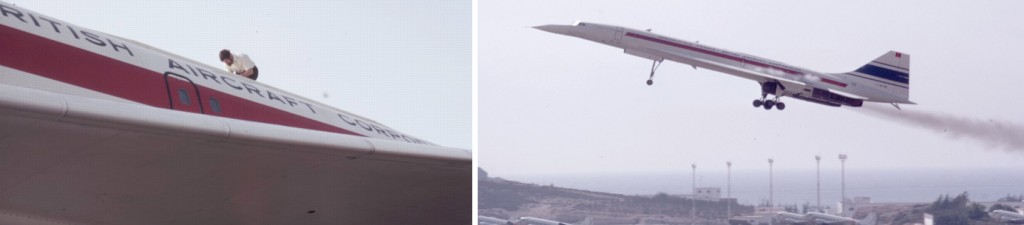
column 708, row 193
column 705, row 194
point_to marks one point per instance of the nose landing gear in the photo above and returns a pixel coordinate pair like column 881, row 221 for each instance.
column 654, row 66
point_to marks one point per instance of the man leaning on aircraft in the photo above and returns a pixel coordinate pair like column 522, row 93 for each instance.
column 239, row 64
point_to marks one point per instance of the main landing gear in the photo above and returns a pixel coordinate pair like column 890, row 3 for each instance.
column 768, row 104
column 654, row 66
column 766, row 88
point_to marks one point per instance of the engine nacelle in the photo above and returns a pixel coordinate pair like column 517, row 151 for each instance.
column 827, row 96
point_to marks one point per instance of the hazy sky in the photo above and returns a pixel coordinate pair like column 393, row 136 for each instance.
column 405, row 64
column 553, row 104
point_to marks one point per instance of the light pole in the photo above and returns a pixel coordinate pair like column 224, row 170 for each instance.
column 842, row 159
column 728, row 190
column 693, row 201
column 818, row 159
column 771, row 191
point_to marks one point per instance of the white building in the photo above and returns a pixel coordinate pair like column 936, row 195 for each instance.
column 708, row 193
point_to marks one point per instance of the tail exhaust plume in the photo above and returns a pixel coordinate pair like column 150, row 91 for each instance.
column 995, row 134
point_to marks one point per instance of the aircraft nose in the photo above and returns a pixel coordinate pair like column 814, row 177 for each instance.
column 558, row 29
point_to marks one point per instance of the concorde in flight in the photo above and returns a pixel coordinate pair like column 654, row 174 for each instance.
column 98, row 129
column 884, row 80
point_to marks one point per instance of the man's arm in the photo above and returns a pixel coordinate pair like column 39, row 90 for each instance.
column 246, row 73
column 246, row 64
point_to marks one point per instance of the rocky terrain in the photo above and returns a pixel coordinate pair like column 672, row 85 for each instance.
column 506, row 199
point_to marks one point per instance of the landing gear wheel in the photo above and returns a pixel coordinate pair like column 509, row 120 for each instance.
column 768, row 104
column 780, row 106
column 650, row 82
column 757, row 103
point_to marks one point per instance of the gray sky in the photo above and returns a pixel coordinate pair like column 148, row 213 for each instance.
column 553, row 104
column 405, row 64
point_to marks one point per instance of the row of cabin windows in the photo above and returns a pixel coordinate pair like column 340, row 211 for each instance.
column 186, row 100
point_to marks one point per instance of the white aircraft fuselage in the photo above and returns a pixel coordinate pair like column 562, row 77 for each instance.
column 537, row 221
column 885, row 79
column 1007, row 216
column 826, row 218
column 485, row 220
column 793, row 217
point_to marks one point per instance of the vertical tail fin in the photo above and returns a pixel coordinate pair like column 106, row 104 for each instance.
column 893, row 66
column 890, row 72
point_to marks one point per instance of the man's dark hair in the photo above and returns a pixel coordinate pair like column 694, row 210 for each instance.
column 225, row 54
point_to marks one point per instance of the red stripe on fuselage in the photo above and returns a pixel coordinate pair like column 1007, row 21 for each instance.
column 724, row 56
column 69, row 64
column 836, row 83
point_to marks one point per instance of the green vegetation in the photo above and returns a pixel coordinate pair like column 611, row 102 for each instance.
column 958, row 210
column 664, row 204
column 1001, row 207
column 950, row 210
column 496, row 193
column 1011, row 198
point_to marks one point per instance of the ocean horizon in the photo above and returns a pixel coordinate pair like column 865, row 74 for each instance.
column 799, row 186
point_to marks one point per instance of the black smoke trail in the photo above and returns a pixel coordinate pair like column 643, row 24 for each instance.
column 995, row 134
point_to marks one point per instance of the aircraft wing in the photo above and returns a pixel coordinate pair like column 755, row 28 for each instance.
column 794, row 221
column 67, row 159
column 821, row 218
column 827, row 221
column 754, row 73
column 762, row 75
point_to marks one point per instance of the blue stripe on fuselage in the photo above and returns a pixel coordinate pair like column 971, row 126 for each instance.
column 885, row 73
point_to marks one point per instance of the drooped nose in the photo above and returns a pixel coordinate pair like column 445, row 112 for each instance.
column 558, row 29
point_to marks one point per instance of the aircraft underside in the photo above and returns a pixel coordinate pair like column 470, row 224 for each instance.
column 778, row 90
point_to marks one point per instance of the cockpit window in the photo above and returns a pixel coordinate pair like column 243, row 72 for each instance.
column 578, row 23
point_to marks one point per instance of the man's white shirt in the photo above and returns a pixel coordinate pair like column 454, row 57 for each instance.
column 241, row 63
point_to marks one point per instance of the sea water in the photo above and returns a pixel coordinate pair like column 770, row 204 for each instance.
column 799, row 187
